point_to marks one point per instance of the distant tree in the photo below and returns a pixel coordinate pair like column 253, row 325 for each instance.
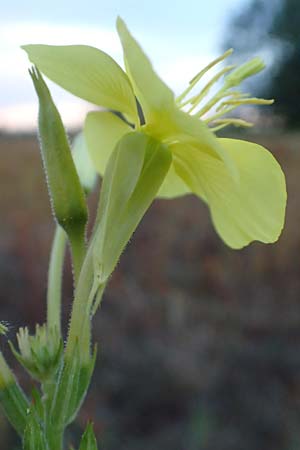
column 272, row 28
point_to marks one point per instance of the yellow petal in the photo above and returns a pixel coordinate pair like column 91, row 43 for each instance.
column 153, row 94
column 251, row 208
column 86, row 72
column 102, row 131
column 179, row 127
column 82, row 160
column 164, row 120
column 173, row 185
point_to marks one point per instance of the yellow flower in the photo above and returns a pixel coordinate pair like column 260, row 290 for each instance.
column 241, row 182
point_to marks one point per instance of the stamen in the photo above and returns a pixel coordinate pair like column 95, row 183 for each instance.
column 211, row 65
column 248, row 101
column 199, row 75
column 218, row 101
column 216, row 98
column 219, row 114
column 222, row 123
column 197, row 99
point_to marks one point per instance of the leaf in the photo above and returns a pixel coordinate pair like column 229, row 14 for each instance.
column 34, row 435
column 71, row 388
column 88, row 440
column 15, row 405
column 12, row 398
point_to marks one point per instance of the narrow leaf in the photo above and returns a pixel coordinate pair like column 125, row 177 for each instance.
column 88, row 440
column 34, row 435
column 15, row 405
column 71, row 389
column 12, row 398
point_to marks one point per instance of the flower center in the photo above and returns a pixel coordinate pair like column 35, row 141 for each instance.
column 212, row 110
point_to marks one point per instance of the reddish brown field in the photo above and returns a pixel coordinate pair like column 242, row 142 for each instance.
column 199, row 344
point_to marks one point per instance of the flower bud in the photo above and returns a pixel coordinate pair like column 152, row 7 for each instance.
column 66, row 194
column 40, row 354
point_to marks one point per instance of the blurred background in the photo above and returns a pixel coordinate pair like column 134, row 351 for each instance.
column 199, row 344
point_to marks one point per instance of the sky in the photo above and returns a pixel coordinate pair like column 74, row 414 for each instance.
column 179, row 36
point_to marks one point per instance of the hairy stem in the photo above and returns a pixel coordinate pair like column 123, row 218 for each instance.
column 78, row 249
column 55, row 279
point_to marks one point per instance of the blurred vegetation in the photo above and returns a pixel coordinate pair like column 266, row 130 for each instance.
column 272, row 29
column 199, row 344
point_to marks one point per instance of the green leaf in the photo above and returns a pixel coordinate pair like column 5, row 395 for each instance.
column 15, row 405
column 12, row 398
column 134, row 174
column 34, row 435
column 71, row 388
column 88, row 440
column 66, row 194
column 88, row 73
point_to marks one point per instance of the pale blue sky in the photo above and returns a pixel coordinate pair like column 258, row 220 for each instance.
column 179, row 36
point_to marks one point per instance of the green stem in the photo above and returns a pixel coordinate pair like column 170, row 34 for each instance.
column 55, row 279
column 54, row 439
column 54, row 435
column 78, row 248
column 80, row 327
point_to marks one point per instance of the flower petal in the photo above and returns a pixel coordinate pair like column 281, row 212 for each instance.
column 164, row 120
column 173, row 185
column 82, row 160
column 179, row 127
column 86, row 72
column 153, row 94
column 102, row 131
column 244, row 210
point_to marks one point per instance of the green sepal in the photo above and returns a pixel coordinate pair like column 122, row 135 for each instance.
column 65, row 190
column 34, row 434
column 71, row 388
column 88, row 440
column 133, row 176
column 15, row 406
